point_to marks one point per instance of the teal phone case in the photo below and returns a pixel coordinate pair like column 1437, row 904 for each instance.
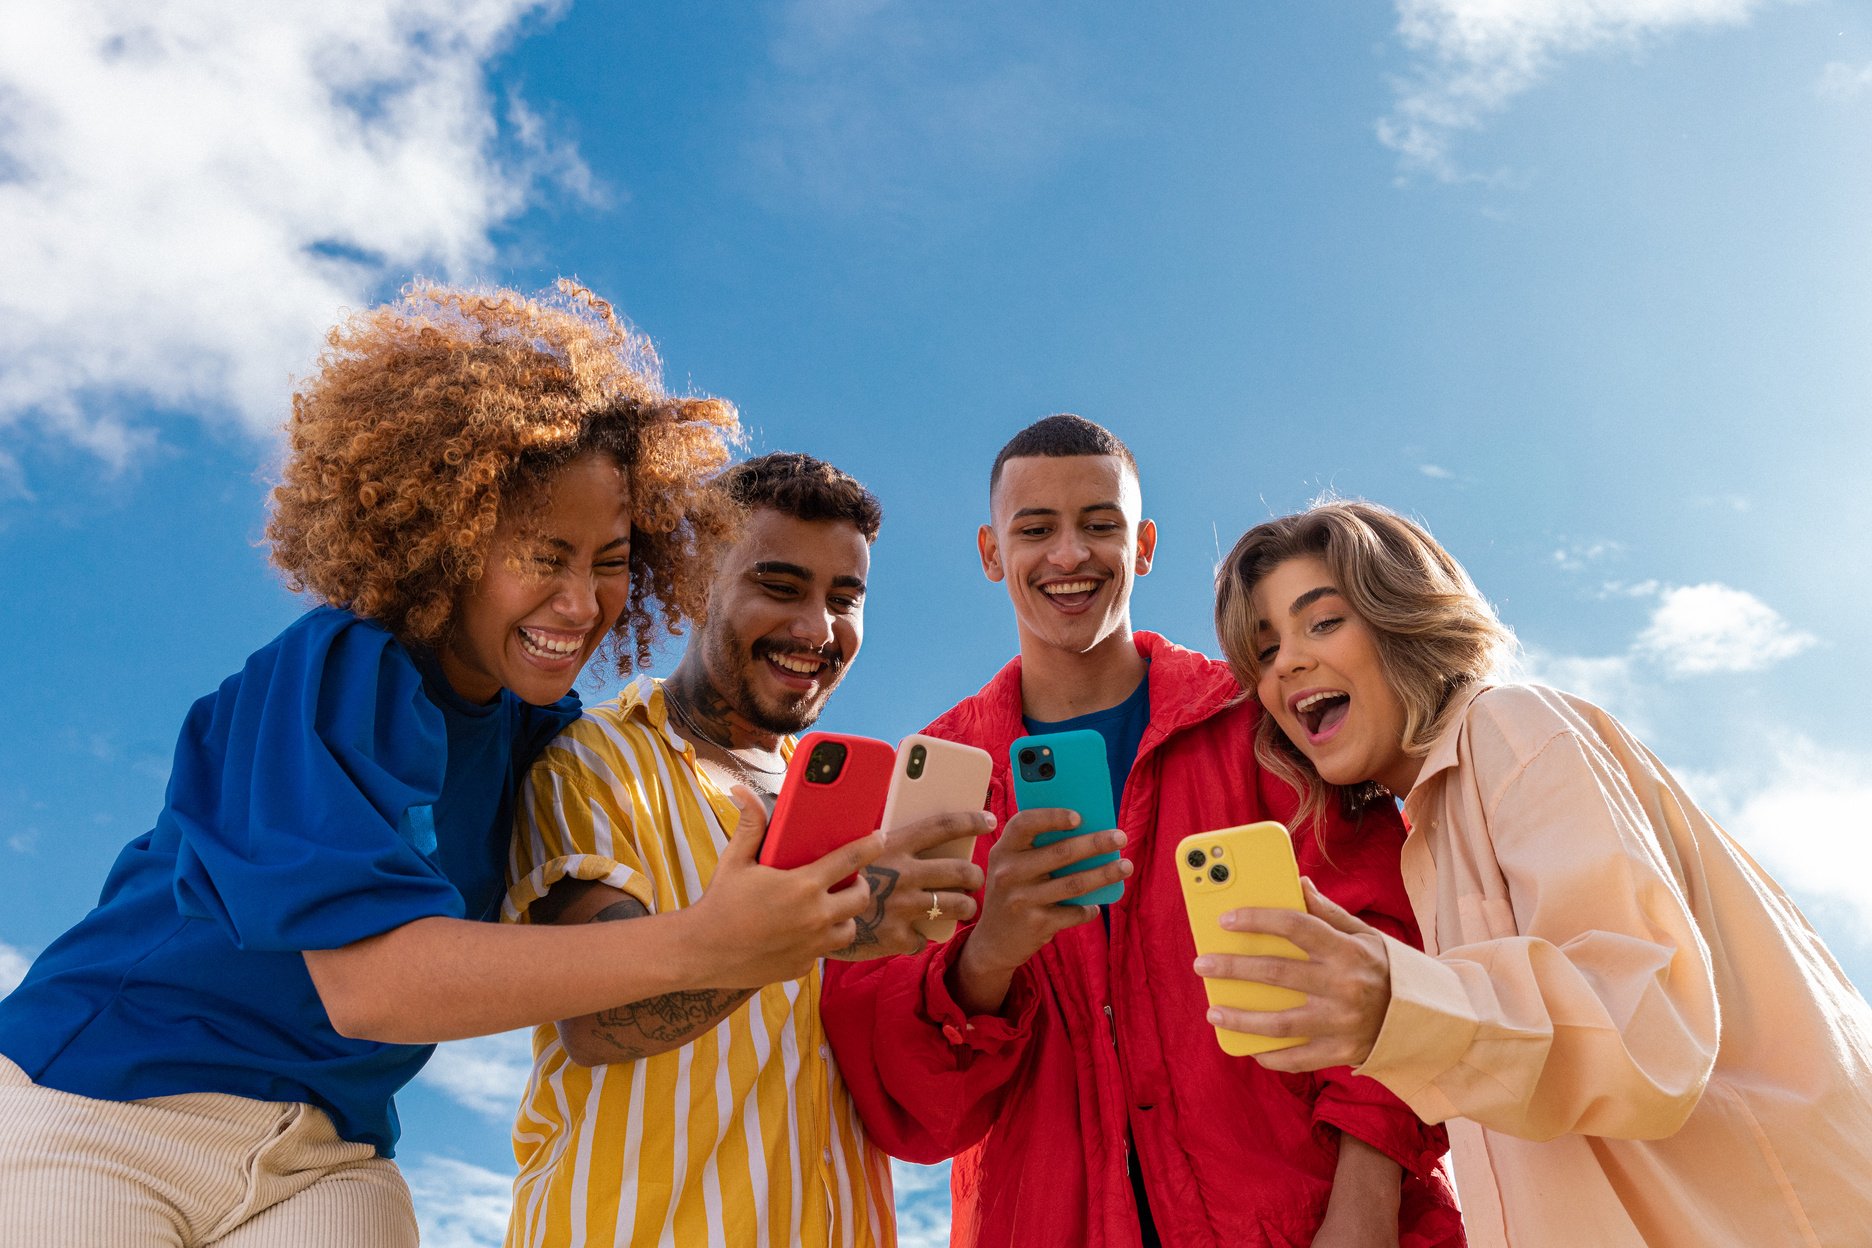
column 1081, row 781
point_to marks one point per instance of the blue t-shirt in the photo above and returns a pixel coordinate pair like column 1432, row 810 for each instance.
column 1122, row 726
column 333, row 789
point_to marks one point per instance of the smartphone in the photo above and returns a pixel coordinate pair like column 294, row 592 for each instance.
column 832, row 795
column 935, row 777
column 1068, row 769
column 1252, row 865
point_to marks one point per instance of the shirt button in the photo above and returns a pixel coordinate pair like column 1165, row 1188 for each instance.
column 825, row 1051
column 828, row 1156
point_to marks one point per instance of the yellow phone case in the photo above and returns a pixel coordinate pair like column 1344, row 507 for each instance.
column 1257, row 868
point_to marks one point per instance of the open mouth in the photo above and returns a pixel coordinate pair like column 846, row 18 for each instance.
column 1071, row 594
column 798, row 669
column 551, row 647
column 1322, row 712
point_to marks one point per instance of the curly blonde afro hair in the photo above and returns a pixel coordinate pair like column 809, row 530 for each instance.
column 431, row 417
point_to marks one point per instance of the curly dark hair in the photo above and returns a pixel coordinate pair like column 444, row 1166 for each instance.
column 805, row 488
column 431, row 416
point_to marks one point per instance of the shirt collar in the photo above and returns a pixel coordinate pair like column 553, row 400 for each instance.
column 1442, row 755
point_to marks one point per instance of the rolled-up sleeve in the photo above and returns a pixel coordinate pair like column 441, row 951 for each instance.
column 1583, row 1001
column 569, row 825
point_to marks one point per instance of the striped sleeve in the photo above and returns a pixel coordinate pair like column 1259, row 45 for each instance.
column 575, row 820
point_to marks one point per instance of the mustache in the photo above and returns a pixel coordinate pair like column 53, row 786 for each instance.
column 829, row 655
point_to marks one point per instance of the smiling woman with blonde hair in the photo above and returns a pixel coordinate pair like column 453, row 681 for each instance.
column 1635, row 1037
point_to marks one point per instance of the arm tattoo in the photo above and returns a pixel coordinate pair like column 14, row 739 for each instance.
column 883, row 882
column 659, row 1024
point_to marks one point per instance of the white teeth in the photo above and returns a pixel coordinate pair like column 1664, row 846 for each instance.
column 803, row 667
column 1070, row 587
column 548, row 647
column 1313, row 699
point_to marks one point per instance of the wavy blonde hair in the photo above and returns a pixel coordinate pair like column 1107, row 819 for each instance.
column 1434, row 631
column 430, row 418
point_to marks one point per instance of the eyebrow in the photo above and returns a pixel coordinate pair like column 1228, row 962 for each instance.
column 559, row 543
column 1299, row 604
column 778, row 567
column 1054, row 511
column 1310, row 597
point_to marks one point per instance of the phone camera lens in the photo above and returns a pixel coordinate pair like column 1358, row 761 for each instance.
column 914, row 766
column 1219, row 873
column 825, row 762
column 1194, row 858
column 1026, row 756
column 1046, row 771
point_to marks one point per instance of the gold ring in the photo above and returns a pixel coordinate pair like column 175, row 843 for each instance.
column 935, row 911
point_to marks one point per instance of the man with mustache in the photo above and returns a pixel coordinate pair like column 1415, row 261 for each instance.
column 715, row 1116
column 1062, row 1053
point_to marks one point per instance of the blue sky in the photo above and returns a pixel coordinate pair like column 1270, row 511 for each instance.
column 1588, row 288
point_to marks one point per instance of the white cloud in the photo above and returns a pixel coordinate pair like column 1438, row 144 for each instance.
column 13, row 964
column 912, row 108
column 1473, row 56
column 1700, row 629
column 1802, row 815
column 487, row 1074
column 1574, row 556
column 191, row 192
column 459, row 1205
column 923, row 1212
column 1839, row 81
column 1608, row 681
column 1435, row 472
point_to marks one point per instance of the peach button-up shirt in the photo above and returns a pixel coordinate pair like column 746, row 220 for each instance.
column 1635, row 1037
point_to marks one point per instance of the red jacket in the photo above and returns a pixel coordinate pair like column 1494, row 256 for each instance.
column 1034, row 1103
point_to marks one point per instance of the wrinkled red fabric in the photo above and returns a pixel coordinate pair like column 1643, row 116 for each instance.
column 1100, row 1033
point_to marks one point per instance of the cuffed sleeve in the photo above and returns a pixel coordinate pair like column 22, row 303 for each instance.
column 1583, row 1000
column 303, row 794
column 1360, row 874
column 568, row 828
column 927, row 1076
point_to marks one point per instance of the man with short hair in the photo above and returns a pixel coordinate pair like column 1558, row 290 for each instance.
column 713, row 1117
column 1063, row 1052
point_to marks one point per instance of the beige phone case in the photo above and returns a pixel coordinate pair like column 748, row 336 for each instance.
column 935, row 777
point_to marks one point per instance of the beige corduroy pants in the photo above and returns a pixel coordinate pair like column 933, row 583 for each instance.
column 187, row 1172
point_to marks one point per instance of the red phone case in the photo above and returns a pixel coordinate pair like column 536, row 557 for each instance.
column 812, row 818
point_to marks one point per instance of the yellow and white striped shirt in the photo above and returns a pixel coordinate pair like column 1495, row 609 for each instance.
column 746, row 1135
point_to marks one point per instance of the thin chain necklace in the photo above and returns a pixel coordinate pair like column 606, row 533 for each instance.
column 734, row 757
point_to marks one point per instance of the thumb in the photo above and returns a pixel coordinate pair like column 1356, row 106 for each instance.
column 1330, row 912
column 750, row 829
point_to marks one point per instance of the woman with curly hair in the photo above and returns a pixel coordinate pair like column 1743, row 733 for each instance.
column 1636, row 1039
column 484, row 491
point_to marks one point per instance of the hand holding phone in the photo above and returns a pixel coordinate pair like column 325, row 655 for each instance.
column 1068, row 770
column 1232, row 869
column 936, row 777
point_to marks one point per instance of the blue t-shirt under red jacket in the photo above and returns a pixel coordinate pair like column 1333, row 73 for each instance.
column 333, row 789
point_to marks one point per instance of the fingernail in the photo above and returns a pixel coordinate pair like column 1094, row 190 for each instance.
column 1204, row 966
column 1122, row 839
column 1215, row 1018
